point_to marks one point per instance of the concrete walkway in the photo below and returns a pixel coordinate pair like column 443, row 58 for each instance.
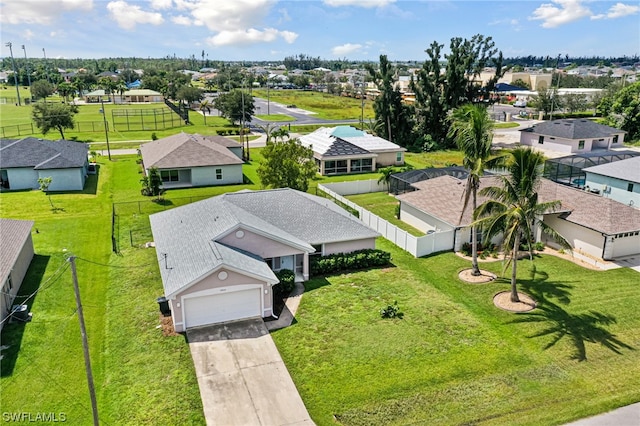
column 242, row 378
column 625, row 416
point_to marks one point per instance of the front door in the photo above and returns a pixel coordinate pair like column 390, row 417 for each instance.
column 286, row 262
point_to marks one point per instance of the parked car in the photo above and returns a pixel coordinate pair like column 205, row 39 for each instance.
column 520, row 104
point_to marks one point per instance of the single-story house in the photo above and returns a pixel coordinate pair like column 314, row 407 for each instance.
column 24, row 161
column 345, row 149
column 619, row 181
column 185, row 160
column 16, row 252
column 217, row 257
column 597, row 227
column 572, row 135
column 129, row 96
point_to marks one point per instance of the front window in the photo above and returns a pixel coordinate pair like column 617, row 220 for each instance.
column 333, row 167
column 580, row 144
column 362, row 165
column 169, row 175
column 615, row 138
column 219, row 174
column 398, row 157
column 541, row 139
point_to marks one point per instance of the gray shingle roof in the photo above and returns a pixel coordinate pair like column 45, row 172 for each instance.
column 185, row 150
column 573, row 129
column 188, row 234
column 13, row 234
column 42, row 154
column 627, row 170
column 441, row 197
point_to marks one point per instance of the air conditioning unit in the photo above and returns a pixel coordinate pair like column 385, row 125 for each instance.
column 20, row 313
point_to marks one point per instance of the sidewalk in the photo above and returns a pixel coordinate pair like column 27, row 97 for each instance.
column 624, row 416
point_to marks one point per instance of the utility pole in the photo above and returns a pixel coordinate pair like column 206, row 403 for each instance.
column 106, row 127
column 557, row 87
column 46, row 66
column 85, row 343
column 362, row 104
column 28, row 73
column 15, row 73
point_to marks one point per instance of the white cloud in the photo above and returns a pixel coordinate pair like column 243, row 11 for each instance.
column 128, row 16
column 161, row 4
column 230, row 15
column 250, row 36
column 559, row 13
column 284, row 16
column 361, row 3
column 182, row 20
column 618, row 10
column 39, row 12
column 345, row 49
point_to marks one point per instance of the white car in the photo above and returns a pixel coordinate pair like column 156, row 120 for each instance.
column 520, row 104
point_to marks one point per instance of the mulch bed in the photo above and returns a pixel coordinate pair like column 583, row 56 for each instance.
column 167, row 326
column 467, row 276
column 503, row 301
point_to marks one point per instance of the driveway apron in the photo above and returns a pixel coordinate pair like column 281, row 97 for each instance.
column 242, row 378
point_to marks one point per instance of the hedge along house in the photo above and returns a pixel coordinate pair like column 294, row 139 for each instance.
column 24, row 161
column 16, row 252
column 572, row 135
column 217, row 257
column 596, row 227
column 186, row 160
column 345, row 149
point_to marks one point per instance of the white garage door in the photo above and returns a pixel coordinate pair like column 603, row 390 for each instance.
column 220, row 307
column 625, row 246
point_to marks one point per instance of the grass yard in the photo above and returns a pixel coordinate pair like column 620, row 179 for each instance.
column 326, row 106
column 383, row 205
column 456, row 359
column 275, row 117
column 137, row 372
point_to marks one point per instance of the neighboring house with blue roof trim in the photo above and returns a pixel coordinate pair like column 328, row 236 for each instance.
column 217, row 257
column 345, row 149
column 24, row 161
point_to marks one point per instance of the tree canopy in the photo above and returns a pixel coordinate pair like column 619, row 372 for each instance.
column 48, row 116
column 287, row 164
column 235, row 106
column 41, row 89
column 622, row 110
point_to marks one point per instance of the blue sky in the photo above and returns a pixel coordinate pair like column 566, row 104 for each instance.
column 353, row 29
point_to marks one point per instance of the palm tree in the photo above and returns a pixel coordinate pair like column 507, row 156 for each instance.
column 385, row 175
column 514, row 211
column 375, row 127
column 205, row 106
column 472, row 130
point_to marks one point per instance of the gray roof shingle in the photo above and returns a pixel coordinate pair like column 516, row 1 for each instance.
column 187, row 235
column 184, row 150
column 13, row 234
column 573, row 129
column 627, row 170
column 42, row 154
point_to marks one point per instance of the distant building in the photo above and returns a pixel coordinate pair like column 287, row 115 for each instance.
column 619, row 181
column 572, row 135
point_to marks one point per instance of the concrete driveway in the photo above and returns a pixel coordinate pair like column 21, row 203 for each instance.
column 242, row 378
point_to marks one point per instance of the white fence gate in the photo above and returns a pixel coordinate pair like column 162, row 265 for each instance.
column 417, row 246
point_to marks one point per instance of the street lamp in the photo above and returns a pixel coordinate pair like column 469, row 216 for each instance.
column 28, row 72
column 46, row 66
column 15, row 73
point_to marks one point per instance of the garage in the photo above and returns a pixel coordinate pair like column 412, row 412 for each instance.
column 226, row 304
column 626, row 244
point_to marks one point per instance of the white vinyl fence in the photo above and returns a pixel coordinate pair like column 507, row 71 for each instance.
column 417, row 246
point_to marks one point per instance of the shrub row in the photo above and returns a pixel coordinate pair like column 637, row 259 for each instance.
column 360, row 259
column 287, row 282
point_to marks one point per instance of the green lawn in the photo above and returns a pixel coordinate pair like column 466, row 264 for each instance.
column 456, row 359
column 326, row 106
column 383, row 205
column 275, row 117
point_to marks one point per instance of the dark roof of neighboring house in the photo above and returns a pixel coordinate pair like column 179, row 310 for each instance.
column 627, row 170
column 188, row 235
column 341, row 147
column 13, row 234
column 573, row 129
column 442, row 197
column 42, row 154
column 185, row 150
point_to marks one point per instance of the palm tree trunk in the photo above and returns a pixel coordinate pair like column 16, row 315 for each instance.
column 475, row 270
column 514, row 263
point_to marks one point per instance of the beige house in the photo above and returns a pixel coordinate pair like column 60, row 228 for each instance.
column 345, row 149
column 186, row 160
column 16, row 252
column 596, row 227
column 217, row 257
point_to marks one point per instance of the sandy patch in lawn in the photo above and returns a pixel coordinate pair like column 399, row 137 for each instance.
column 467, row 276
column 503, row 301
